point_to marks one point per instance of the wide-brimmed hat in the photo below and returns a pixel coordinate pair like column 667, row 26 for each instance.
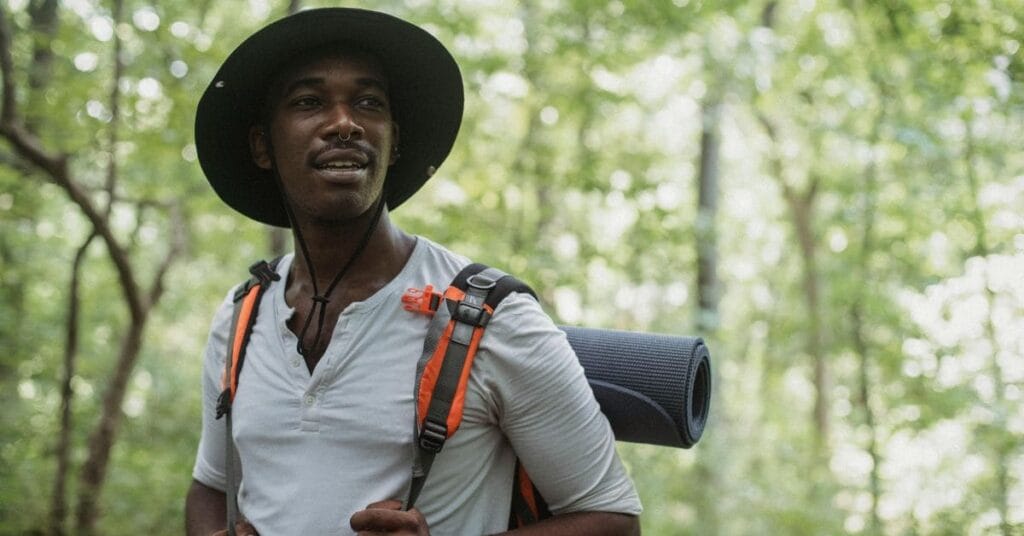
column 425, row 92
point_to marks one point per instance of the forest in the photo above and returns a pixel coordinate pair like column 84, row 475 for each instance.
column 829, row 192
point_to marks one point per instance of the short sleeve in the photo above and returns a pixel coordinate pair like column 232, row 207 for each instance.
column 547, row 410
column 209, row 466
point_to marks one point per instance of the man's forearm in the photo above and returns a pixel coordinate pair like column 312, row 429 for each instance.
column 582, row 523
column 205, row 510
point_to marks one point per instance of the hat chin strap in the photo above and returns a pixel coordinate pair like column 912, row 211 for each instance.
column 320, row 301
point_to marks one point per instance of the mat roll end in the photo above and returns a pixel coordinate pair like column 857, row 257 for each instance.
column 653, row 388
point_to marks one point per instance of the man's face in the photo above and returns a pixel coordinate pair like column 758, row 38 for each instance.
column 330, row 134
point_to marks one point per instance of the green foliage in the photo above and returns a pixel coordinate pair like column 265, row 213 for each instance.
column 576, row 168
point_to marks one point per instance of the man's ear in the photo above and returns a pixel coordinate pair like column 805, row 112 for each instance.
column 259, row 147
column 394, row 144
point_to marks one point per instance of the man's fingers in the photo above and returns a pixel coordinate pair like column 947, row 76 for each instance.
column 243, row 528
column 386, row 505
column 384, row 520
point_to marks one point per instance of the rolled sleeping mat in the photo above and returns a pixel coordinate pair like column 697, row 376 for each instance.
column 653, row 388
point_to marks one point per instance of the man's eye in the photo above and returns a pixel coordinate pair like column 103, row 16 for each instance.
column 305, row 102
column 371, row 103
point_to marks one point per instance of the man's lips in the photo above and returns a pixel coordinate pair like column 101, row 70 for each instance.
column 335, row 159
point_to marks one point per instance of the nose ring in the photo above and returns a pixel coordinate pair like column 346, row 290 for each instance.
column 346, row 138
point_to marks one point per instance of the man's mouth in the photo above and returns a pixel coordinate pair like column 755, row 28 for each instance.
column 342, row 165
column 342, row 160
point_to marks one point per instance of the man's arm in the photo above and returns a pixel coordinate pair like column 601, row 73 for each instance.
column 549, row 414
column 205, row 510
column 386, row 517
column 582, row 523
column 205, row 506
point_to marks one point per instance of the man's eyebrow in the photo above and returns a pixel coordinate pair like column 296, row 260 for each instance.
column 369, row 81
column 311, row 81
column 315, row 81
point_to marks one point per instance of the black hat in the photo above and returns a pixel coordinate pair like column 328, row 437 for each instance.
column 425, row 92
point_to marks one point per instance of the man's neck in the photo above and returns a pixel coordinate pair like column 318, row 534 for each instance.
column 331, row 248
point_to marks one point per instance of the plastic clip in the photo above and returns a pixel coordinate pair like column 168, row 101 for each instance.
column 262, row 271
column 423, row 300
column 433, row 436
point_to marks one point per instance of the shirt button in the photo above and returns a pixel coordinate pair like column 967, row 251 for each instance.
column 310, row 400
column 296, row 362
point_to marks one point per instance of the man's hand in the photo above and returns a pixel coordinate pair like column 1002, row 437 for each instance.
column 242, row 528
column 387, row 517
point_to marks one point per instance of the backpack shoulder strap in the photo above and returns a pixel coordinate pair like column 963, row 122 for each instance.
column 246, row 306
column 470, row 301
column 442, row 375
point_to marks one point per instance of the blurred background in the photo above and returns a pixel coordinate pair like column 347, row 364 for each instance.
column 831, row 192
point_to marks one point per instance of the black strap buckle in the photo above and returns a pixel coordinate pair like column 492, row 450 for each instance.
column 262, row 270
column 470, row 314
column 433, row 436
column 224, row 403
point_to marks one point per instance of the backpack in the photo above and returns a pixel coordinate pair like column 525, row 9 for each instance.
column 459, row 317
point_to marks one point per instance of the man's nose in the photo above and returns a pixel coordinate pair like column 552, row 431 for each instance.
column 341, row 122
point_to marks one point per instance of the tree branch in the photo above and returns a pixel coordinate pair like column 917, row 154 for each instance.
column 25, row 144
column 58, row 505
column 7, row 69
column 29, row 147
column 179, row 239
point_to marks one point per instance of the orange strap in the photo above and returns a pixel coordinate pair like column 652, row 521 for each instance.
column 432, row 371
column 239, row 339
column 526, row 489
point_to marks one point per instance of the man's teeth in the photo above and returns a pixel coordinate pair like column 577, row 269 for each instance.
column 341, row 165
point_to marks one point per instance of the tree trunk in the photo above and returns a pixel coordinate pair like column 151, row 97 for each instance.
column 860, row 343
column 801, row 210
column 860, row 346
column 708, row 292
column 58, row 508
column 801, row 213
column 101, row 441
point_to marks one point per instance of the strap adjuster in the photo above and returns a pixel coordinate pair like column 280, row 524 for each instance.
column 433, row 436
column 224, row 403
column 481, row 282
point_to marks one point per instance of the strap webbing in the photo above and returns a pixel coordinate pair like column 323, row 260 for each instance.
column 246, row 306
column 449, row 348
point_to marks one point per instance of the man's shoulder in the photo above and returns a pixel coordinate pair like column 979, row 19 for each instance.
column 435, row 262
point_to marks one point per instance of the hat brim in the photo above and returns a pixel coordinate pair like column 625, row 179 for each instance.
column 425, row 88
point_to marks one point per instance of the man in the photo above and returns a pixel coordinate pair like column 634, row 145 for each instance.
column 324, row 122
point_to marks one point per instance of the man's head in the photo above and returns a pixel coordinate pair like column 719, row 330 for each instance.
column 326, row 131
column 241, row 112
